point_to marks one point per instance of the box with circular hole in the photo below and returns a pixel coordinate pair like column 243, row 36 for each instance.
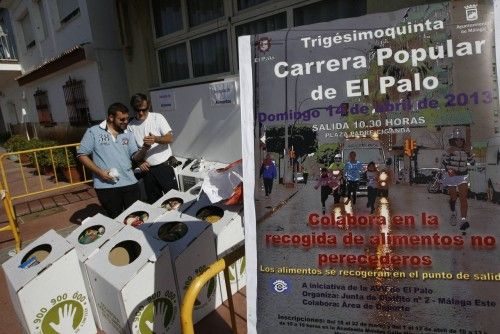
column 192, row 248
column 47, row 287
column 88, row 239
column 226, row 221
column 134, row 285
column 175, row 200
column 140, row 215
column 227, row 224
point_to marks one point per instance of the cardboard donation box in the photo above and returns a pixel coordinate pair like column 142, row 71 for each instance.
column 140, row 215
column 87, row 240
column 192, row 174
column 195, row 190
column 226, row 221
column 175, row 200
column 134, row 286
column 47, row 288
column 229, row 230
column 192, row 248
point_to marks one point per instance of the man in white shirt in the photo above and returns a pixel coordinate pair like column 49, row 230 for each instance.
column 152, row 128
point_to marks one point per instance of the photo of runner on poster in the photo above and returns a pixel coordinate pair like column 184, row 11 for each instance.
column 394, row 119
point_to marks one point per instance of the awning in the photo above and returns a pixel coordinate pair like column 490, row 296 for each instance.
column 63, row 60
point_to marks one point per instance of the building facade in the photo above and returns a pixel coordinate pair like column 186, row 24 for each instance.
column 9, row 70
column 72, row 66
column 180, row 47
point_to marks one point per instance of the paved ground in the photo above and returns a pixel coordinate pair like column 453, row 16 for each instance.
column 63, row 211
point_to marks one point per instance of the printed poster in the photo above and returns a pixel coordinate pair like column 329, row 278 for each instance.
column 372, row 199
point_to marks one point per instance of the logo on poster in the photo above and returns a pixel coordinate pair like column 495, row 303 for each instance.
column 471, row 12
column 280, row 286
column 264, row 44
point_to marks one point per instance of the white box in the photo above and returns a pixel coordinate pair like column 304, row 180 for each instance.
column 185, row 200
column 50, row 294
column 237, row 277
column 229, row 231
column 87, row 240
column 195, row 190
column 189, row 178
column 227, row 238
column 230, row 220
column 134, row 285
column 140, row 215
column 192, row 247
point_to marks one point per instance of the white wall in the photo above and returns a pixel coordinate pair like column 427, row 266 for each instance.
column 11, row 95
column 56, row 39
column 201, row 130
column 104, row 75
column 54, row 86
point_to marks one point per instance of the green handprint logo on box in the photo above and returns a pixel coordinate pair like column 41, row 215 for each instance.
column 63, row 318
column 157, row 317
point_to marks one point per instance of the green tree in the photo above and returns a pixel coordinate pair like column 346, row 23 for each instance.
column 326, row 152
column 302, row 138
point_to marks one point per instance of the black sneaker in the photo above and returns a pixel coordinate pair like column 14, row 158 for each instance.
column 464, row 225
column 324, row 210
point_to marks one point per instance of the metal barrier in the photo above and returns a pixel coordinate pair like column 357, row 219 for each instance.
column 197, row 284
column 33, row 183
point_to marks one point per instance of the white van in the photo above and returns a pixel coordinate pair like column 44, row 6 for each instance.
column 493, row 168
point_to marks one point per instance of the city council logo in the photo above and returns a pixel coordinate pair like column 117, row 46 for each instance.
column 471, row 12
column 264, row 44
column 280, row 286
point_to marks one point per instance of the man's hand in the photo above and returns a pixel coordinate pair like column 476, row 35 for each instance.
column 149, row 140
column 104, row 176
column 144, row 167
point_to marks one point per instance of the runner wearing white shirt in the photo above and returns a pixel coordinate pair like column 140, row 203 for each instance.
column 153, row 128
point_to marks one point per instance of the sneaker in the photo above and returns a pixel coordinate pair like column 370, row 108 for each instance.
column 464, row 224
column 453, row 218
column 372, row 211
column 324, row 210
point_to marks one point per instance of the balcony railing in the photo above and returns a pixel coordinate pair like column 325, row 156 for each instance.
column 7, row 50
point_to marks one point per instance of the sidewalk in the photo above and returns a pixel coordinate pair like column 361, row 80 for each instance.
column 64, row 211
column 38, row 213
column 266, row 206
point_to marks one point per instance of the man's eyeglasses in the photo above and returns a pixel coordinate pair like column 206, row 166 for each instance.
column 142, row 109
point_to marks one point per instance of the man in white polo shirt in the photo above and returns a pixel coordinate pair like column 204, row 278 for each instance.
column 150, row 127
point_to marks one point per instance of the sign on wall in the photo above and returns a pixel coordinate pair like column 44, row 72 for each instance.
column 222, row 93
column 353, row 233
column 166, row 100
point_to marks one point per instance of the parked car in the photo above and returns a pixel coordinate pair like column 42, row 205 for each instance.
column 425, row 175
column 299, row 178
